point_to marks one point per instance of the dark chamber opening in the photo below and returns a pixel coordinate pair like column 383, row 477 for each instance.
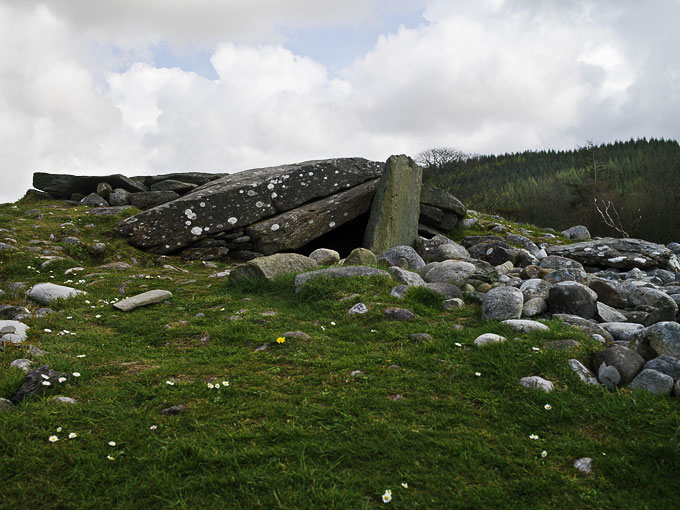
column 342, row 239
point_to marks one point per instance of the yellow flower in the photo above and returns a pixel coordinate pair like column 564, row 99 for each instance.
column 280, row 340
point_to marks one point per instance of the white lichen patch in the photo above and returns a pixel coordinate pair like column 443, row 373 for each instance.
column 202, row 204
column 310, row 173
column 640, row 260
column 259, row 204
column 251, row 193
column 275, row 227
column 232, row 220
column 616, row 260
column 274, row 195
column 187, row 223
column 196, row 231
column 331, row 224
column 190, row 214
column 270, row 186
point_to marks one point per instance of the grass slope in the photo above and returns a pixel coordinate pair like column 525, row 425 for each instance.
column 294, row 428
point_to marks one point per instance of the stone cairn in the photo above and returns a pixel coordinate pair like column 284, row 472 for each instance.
column 623, row 292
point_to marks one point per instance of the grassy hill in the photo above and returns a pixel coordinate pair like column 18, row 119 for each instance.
column 439, row 423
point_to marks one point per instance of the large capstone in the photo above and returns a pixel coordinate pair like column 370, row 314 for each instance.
column 64, row 185
column 239, row 200
column 617, row 253
column 396, row 206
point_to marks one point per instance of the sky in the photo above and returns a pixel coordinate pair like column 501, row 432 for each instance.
column 144, row 87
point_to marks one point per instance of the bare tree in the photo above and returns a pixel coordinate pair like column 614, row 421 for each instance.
column 611, row 217
column 440, row 157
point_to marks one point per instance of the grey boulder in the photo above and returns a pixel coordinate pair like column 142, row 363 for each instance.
column 46, row 293
column 273, row 266
column 145, row 298
column 502, row 303
column 616, row 366
column 572, row 298
column 396, row 253
column 653, row 382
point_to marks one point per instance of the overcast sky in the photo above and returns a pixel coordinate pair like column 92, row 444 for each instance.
column 155, row 86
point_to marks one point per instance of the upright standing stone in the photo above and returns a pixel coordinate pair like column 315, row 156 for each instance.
column 396, row 206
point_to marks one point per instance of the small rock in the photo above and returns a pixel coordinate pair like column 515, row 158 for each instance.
column 47, row 293
column 6, row 405
column 397, row 396
column 584, row 464
column 524, row 326
column 63, row 400
column 502, row 303
column 98, row 248
column 562, row 345
column 488, row 338
column 399, row 314
column 359, row 308
column 652, row 381
column 356, row 373
column 452, row 304
column 535, row 382
column 296, row 334
column 36, row 352
column 361, row 257
column 143, row 299
column 23, row 364
column 420, row 337
column 586, row 376
column 325, row 256
column 178, row 409
column 399, row 291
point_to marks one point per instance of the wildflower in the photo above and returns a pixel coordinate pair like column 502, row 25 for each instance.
column 225, row 383
column 153, row 427
column 87, row 301
column 47, row 330
column 169, row 383
column 98, row 316
column 58, row 429
column 80, row 356
column 387, row 497
column 72, row 435
column 332, row 323
column 61, row 379
column 211, row 385
column 533, row 436
column 535, row 349
column 217, row 386
column 458, row 344
column 478, row 374
column 54, row 439
column 110, row 457
column 112, row 443
column 404, row 485
column 76, row 374
column 280, row 340
column 544, row 454
column 44, row 376
column 547, row 407
column 46, row 383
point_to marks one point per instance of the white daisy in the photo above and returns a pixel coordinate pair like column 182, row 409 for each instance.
column 54, row 439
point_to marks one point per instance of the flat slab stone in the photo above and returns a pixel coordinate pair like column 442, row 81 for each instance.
column 64, row 185
column 535, row 382
column 617, row 253
column 145, row 298
column 272, row 266
column 295, row 228
column 47, row 293
column 339, row 272
column 241, row 199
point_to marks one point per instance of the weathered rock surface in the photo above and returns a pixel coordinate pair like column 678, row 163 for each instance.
column 525, row 326
column 406, row 277
column 440, row 209
column 145, row 298
column 46, row 293
column 396, row 206
column 616, row 366
column 273, row 266
column 488, row 338
column 64, row 185
column 451, row 271
column 325, row 256
column 663, row 338
column 577, row 233
column 585, row 375
column 396, row 253
column 666, row 365
column 360, row 257
column 535, row 382
column 502, row 303
column 295, row 228
column 618, row 253
column 572, row 298
column 652, row 381
column 37, row 382
column 439, row 249
column 12, row 327
column 238, row 200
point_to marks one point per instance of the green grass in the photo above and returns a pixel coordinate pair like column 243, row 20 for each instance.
column 294, row 429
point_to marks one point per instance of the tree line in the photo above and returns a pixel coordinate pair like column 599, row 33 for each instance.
column 625, row 188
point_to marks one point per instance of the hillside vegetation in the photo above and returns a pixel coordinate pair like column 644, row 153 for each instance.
column 639, row 180
column 328, row 419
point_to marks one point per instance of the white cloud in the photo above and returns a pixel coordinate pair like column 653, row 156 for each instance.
column 79, row 92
